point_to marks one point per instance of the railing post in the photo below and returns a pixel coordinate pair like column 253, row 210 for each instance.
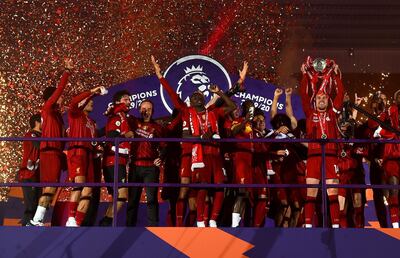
column 115, row 186
column 323, row 188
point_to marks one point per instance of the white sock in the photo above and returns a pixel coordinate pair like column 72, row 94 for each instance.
column 335, row 225
column 212, row 223
column 395, row 224
column 308, row 226
column 201, row 224
column 39, row 214
column 235, row 219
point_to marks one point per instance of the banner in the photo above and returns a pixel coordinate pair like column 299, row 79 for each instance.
column 186, row 75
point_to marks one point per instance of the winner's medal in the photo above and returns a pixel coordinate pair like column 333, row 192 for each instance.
column 322, row 124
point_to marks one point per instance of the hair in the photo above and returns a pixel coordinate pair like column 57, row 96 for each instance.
column 48, row 92
column 33, row 119
column 245, row 106
column 258, row 112
column 281, row 120
column 119, row 94
column 148, row 101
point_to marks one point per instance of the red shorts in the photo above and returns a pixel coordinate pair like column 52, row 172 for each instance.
column 186, row 166
column 50, row 166
column 392, row 168
column 314, row 167
column 352, row 176
column 213, row 171
column 80, row 163
column 286, row 174
column 243, row 167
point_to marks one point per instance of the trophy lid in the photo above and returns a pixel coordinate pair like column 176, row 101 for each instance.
column 319, row 64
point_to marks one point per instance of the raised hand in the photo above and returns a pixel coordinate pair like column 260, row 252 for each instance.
column 243, row 72
column 96, row 90
column 303, row 69
column 288, row 91
column 214, row 88
column 68, row 64
column 357, row 100
column 157, row 68
column 336, row 69
column 278, row 92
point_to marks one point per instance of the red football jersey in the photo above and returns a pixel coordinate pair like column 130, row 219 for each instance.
column 246, row 133
column 52, row 122
column 29, row 168
column 117, row 122
column 80, row 125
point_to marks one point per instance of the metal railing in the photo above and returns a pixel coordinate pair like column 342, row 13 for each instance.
column 116, row 141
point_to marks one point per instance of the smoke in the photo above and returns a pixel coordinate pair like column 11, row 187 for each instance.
column 297, row 41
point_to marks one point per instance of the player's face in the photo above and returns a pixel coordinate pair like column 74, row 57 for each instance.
column 322, row 102
column 146, row 110
column 89, row 107
column 236, row 113
column 259, row 123
column 38, row 125
column 197, row 100
column 125, row 99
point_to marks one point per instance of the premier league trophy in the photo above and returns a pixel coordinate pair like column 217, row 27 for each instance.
column 319, row 72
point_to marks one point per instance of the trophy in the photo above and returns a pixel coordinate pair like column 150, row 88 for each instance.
column 319, row 71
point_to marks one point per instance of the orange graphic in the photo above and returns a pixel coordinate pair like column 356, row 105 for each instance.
column 203, row 242
column 393, row 232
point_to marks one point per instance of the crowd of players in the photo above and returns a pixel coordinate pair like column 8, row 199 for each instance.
column 330, row 114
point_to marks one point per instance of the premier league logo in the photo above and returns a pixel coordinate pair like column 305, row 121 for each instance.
column 194, row 73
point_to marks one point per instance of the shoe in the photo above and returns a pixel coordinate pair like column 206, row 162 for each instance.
column 201, row 224
column 212, row 223
column 106, row 222
column 33, row 223
column 71, row 222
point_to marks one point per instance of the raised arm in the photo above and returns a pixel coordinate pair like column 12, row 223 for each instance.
column 274, row 107
column 289, row 108
column 75, row 108
column 238, row 127
column 357, row 102
column 229, row 104
column 305, row 98
column 217, row 101
column 338, row 101
column 61, row 85
column 178, row 103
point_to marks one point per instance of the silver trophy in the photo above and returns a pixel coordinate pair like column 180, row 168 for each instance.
column 319, row 64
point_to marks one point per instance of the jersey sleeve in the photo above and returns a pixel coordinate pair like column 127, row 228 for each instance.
column 57, row 93
column 338, row 101
column 74, row 107
column 178, row 103
column 305, row 99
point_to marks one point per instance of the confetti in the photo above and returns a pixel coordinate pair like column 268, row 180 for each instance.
column 111, row 42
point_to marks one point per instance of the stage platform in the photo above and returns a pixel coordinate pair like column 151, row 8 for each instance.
column 194, row 242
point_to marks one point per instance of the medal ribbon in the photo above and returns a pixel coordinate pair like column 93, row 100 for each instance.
column 322, row 124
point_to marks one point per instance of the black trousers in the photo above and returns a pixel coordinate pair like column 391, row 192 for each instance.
column 31, row 199
column 143, row 175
